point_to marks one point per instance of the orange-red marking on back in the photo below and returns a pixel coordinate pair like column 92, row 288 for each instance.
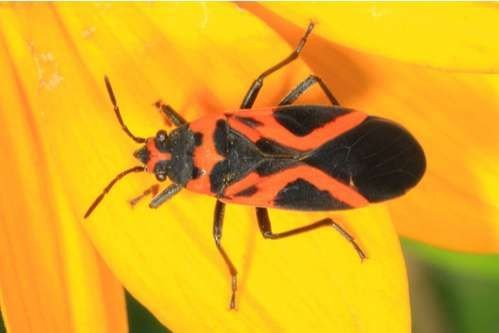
column 269, row 186
column 155, row 155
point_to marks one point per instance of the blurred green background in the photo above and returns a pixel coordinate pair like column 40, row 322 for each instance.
column 450, row 293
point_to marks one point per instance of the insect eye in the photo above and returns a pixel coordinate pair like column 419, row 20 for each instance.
column 161, row 135
column 160, row 176
column 161, row 170
column 161, row 140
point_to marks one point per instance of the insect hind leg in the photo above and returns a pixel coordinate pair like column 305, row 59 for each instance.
column 217, row 235
column 304, row 86
column 266, row 229
column 255, row 87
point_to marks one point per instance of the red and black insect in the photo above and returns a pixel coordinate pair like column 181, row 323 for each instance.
column 297, row 157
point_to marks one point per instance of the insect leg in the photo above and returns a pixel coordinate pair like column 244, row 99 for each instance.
column 266, row 229
column 171, row 115
column 150, row 190
column 255, row 87
column 217, row 235
column 167, row 193
column 303, row 86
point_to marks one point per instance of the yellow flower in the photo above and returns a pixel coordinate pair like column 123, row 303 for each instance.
column 62, row 144
column 453, row 37
column 452, row 110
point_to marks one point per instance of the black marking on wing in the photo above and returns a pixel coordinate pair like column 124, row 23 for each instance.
column 247, row 192
column 278, row 157
column 380, row 158
column 302, row 120
column 220, row 137
column 249, row 121
column 390, row 160
column 271, row 166
column 217, row 177
column 332, row 158
column 271, row 147
column 300, row 194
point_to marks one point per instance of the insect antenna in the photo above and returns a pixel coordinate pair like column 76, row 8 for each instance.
column 118, row 114
column 110, row 185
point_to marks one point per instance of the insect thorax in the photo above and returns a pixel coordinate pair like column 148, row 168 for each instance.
column 181, row 145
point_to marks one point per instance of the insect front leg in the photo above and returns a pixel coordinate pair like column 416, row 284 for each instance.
column 217, row 235
column 303, row 86
column 167, row 193
column 255, row 87
column 172, row 116
column 266, row 229
column 153, row 190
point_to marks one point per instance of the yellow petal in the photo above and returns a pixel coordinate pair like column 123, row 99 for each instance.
column 200, row 59
column 451, row 36
column 453, row 115
column 51, row 278
column 460, row 209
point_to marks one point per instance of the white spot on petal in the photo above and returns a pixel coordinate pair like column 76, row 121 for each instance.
column 88, row 32
column 47, row 69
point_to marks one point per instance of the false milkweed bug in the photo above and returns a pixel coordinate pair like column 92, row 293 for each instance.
column 296, row 157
